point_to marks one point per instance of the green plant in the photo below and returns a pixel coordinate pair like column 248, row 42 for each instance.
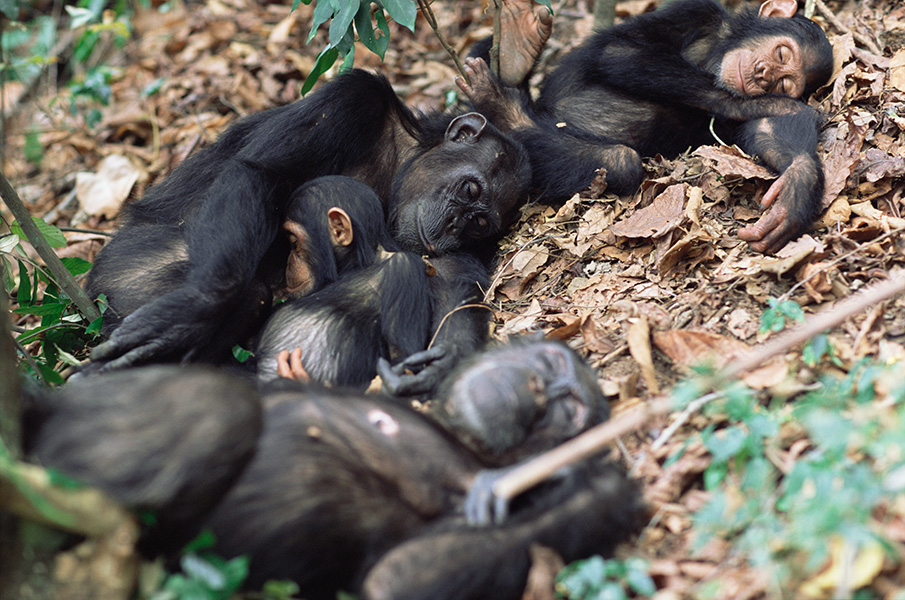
column 599, row 579
column 204, row 576
column 62, row 331
column 786, row 518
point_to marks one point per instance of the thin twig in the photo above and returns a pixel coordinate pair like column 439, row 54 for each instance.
column 497, row 37
column 431, row 19
column 61, row 274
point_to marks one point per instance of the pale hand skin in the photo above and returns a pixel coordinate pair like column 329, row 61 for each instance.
column 289, row 366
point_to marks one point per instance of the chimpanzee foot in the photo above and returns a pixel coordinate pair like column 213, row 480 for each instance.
column 524, row 29
column 500, row 104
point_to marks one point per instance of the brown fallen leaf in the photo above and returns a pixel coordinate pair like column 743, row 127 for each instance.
column 689, row 347
column 664, row 214
column 729, row 161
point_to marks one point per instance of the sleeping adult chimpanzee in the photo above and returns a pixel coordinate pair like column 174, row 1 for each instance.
column 446, row 183
column 652, row 84
column 333, row 225
column 338, row 480
column 381, row 311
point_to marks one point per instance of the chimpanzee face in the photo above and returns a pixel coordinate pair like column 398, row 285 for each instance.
column 467, row 188
column 764, row 65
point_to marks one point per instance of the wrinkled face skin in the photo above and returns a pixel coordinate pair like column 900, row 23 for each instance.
column 769, row 65
column 299, row 278
column 465, row 189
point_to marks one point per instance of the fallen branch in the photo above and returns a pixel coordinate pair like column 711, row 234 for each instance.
column 65, row 280
column 597, row 438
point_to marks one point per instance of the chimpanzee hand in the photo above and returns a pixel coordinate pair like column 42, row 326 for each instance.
column 176, row 324
column 792, row 203
column 289, row 366
column 482, row 507
column 429, row 368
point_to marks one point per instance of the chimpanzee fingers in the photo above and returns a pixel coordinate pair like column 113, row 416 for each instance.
column 771, row 232
column 482, row 507
column 773, row 192
column 396, row 383
column 135, row 356
column 420, row 359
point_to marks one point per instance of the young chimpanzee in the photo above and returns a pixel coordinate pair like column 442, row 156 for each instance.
column 652, row 84
column 446, row 183
column 381, row 311
column 520, row 398
column 340, row 485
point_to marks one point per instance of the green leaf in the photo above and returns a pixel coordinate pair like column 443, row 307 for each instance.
column 34, row 150
column 76, row 265
column 723, row 447
column 324, row 61
column 640, row 582
column 8, row 243
column 10, row 9
column 79, row 16
column 52, row 234
column 323, row 10
column 202, row 541
column 342, row 21
column 6, row 271
column 53, row 309
column 403, row 12
column 280, row 590
column 791, row 309
column 375, row 40
column 241, row 354
column 23, row 296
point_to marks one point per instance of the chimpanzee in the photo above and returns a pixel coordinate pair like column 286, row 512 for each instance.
column 318, row 245
column 520, row 398
column 119, row 433
column 381, row 311
column 338, row 480
column 334, row 225
column 652, row 85
column 446, row 183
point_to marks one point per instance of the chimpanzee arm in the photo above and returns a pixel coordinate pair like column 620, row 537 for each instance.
column 788, row 145
column 460, row 325
column 224, row 254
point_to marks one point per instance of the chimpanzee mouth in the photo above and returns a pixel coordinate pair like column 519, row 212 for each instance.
column 422, row 235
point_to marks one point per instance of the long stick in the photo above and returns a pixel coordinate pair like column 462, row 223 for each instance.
column 597, row 438
column 53, row 262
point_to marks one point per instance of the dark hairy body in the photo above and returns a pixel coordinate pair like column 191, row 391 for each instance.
column 195, row 255
column 652, row 85
column 332, row 489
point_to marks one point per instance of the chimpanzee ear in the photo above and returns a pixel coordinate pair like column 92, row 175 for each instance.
column 778, row 8
column 466, row 128
column 340, row 226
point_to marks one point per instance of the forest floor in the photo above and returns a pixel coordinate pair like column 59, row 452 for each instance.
column 644, row 286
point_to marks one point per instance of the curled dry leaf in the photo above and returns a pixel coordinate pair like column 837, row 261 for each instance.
column 662, row 216
column 689, row 347
column 102, row 193
column 730, row 161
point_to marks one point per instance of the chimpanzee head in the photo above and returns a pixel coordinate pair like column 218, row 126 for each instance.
column 463, row 189
column 334, row 224
column 522, row 398
column 774, row 51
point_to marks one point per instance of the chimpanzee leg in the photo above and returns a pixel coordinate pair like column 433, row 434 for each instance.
column 563, row 159
column 589, row 515
column 167, row 439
